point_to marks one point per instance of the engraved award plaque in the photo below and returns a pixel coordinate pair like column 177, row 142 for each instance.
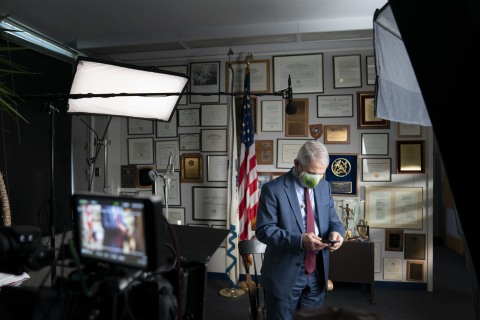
column 316, row 130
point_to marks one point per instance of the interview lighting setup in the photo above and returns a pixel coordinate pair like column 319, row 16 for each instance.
column 109, row 88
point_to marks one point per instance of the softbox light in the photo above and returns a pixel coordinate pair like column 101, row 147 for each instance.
column 108, row 88
column 397, row 94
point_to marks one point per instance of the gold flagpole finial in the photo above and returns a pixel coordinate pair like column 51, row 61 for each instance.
column 248, row 59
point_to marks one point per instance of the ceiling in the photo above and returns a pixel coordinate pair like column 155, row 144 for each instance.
column 148, row 31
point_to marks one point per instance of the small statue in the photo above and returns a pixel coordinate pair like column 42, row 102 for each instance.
column 349, row 216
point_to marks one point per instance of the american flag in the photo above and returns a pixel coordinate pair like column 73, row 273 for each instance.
column 247, row 175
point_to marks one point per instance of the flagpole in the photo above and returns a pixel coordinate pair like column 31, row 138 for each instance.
column 231, row 257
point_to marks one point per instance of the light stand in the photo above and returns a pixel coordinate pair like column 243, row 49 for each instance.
column 167, row 177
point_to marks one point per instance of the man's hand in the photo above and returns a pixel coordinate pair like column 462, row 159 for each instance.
column 335, row 236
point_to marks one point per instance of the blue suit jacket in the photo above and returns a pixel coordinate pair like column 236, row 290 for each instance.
column 280, row 226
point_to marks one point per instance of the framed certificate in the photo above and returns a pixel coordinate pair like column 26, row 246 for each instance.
column 174, row 195
column 335, row 106
column 371, row 70
column 272, row 115
column 347, row 71
column 392, row 269
column 189, row 117
column 139, row 126
column 214, row 115
column 210, row 203
column 306, row 72
column 366, row 112
column 163, row 150
column 409, row 130
column 287, row 150
column 167, row 129
column 217, row 167
column 140, row 151
column 205, row 80
column 176, row 215
column 189, row 141
column 375, row 144
column 377, row 169
column 259, row 76
column 214, row 140
column 182, row 69
column 411, row 156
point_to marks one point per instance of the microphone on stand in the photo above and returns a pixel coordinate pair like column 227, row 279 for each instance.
column 153, row 175
column 290, row 108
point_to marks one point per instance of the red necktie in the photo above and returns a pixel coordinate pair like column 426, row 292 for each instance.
column 309, row 255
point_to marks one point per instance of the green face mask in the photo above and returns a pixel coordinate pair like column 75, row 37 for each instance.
column 310, row 180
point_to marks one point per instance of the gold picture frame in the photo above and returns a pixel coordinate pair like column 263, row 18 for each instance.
column 192, row 168
column 411, row 156
column 415, row 271
column 296, row 125
column 366, row 112
column 264, row 151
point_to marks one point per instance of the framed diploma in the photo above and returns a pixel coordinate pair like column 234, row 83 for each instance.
column 296, row 125
column 366, row 112
column 414, row 246
column 182, row 69
column 415, row 271
column 214, row 140
column 394, row 207
column 393, row 240
column 306, row 72
column 167, row 129
column 176, row 215
column 375, row 144
column 205, row 80
column 174, row 190
column 337, row 134
column 264, row 151
column 342, row 174
column 392, row 269
column 210, row 203
column 410, row 156
column 287, row 150
column 163, row 149
column 259, row 76
column 213, row 115
column 192, row 168
column 347, row 71
column 189, row 141
column 371, row 70
column 272, row 115
column 217, row 168
column 189, row 117
column 140, row 150
column 139, row 126
column 335, row 106
column 377, row 169
column 409, row 130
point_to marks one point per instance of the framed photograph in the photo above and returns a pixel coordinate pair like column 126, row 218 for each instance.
column 371, row 70
column 366, row 112
column 347, row 71
column 376, row 169
column 393, row 240
column 174, row 195
column 259, row 76
column 411, row 156
column 214, row 115
column 287, row 150
column 306, row 72
column 182, row 69
column 263, row 177
column 409, row 130
column 342, row 174
column 139, row 126
column 163, row 150
column 140, row 150
column 192, row 168
column 167, row 129
column 394, row 207
column 264, row 151
column 205, row 79
column 176, row 215
column 335, row 106
column 221, row 226
column 296, row 125
column 375, row 144
column 414, row 246
column 210, row 203
column 189, row 141
column 392, row 269
column 189, row 117
column 214, row 140
column 415, row 271
column 336, row 134
column 377, row 253
column 217, row 168
column 272, row 115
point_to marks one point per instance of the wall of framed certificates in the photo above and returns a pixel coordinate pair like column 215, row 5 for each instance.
column 336, row 101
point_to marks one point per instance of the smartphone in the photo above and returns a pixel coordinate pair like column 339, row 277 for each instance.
column 329, row 241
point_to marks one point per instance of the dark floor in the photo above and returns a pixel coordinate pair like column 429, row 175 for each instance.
column 451, row 297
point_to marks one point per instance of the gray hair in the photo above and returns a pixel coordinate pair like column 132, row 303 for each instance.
column 313, row 151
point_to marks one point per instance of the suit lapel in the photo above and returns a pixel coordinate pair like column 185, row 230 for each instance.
column 291, row 194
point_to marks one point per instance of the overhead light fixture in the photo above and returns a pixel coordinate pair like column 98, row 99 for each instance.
column 109, row 88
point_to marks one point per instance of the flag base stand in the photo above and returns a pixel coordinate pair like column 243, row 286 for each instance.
column 232, row 292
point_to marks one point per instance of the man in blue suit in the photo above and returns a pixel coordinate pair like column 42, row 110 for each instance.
column 281, row 225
